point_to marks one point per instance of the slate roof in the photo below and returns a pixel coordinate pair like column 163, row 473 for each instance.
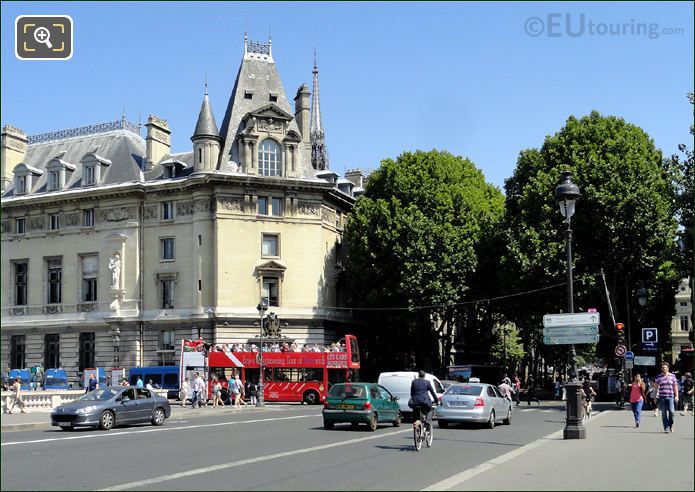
column 206, row 125
column 125, row 150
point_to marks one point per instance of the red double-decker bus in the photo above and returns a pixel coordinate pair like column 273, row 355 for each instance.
column 288, row 376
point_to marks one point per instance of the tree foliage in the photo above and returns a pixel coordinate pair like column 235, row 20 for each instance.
column 624, row 225
column 413, row 240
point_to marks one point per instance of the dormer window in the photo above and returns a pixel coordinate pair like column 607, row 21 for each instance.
column 54, row 180
column 59, row 172
column 269, row 158
column 20, row 185
column 169, row 171
column 248, row 95
column 89, row 175
column 273, row 97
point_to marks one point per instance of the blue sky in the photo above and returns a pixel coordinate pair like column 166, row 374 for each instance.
column 462, row 77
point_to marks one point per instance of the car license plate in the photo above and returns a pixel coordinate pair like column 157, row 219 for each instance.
column 64, row 424
column 458, row 403
column 344, row 407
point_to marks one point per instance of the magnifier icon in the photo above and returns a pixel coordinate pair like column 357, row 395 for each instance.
column 43, row 36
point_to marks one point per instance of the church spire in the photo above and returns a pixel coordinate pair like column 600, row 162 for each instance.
column 319, row 154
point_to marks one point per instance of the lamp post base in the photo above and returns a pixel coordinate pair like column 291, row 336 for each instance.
column 259, row 400
column 575, row 413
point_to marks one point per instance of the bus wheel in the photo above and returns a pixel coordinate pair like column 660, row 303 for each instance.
column 311, row 398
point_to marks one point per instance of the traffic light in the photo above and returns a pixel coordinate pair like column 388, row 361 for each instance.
column 620, row 332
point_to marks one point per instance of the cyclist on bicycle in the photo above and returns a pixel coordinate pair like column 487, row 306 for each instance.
column 420, row 391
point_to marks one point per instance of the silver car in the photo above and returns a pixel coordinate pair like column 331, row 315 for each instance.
column 474, row 402
column 111, row 406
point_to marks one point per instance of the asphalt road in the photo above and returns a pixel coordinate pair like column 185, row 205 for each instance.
column 281, row 448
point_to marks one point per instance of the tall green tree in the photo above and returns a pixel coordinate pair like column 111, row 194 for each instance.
column 413, row 244
column 624, row 226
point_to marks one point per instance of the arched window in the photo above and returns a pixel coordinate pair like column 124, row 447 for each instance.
column 269, row 158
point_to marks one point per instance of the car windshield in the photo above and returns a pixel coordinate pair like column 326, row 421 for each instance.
column 467, row 389
column 99, row 395
column 346, row 391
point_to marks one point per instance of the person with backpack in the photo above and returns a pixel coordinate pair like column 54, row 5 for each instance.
column 253, row 393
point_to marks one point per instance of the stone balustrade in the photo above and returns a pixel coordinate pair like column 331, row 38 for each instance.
column 45, row 401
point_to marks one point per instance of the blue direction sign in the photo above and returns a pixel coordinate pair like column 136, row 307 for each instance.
column 566, row 340
column 650, row 346
column 570, row 330
column 629, row 356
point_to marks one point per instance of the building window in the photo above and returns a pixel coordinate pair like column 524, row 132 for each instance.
column 54, row 270
column 200, row 155
column 20, row 226
column 90, row 275
column 262, row 205
column 269, row 158
column 270, row 245
column 21, row 271
column 276, row 207
column 270, row 291
column 20, row 187
column 684, row 304
column 273, row 97
column 87, row 351
column 90, row 175
column 248, row 95
column 88, row 217
column 54, row 180
column 167, row 287
column 167, row 340
column 51, row 355
column 17, row 352
column 167, row 248
column 167, row 210
column 170, row 171
column 684, row 323
column 54, row 222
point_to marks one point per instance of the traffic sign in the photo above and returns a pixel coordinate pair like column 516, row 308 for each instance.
column 620, row 350
column 629, row 364
column 572, row 319
column 642, row 360
column 566, row 340
column 649, row 335
column 650, row 346
column 570, row 330
column 629, row 355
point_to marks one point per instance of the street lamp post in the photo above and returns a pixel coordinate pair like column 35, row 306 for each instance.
column 566, row 194
column 262, row 308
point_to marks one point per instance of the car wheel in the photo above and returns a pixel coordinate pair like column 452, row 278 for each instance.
column 373, row 422
column 328, row 425
column 508, row 420
column 399, row 418
column 158, row 416
column 311, row 398
column 491, row 422
column 106, row 420
column 443, row 424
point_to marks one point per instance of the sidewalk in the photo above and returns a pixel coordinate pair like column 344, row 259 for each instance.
column 614, row 456
column 42, row 420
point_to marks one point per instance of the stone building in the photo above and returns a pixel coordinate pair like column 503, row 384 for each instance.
column 116, row 246
column 681, row 323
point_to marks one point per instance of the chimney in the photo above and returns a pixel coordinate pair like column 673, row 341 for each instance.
column 356, row 177
column 158, row 141
column 302, row 110
column 13, row 149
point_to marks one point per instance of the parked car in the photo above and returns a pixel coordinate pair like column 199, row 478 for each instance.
column 479, row 402
column 55, row 379
column 111, row 406
column 398, row 384
column 358, row 403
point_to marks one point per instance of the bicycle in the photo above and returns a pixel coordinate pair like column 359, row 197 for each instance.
column 422, row 431
column 587, row 407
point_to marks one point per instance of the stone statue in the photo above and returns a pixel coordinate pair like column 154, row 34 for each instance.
column 115, row 267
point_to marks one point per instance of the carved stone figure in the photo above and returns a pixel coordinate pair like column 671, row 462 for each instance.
column 115, row 267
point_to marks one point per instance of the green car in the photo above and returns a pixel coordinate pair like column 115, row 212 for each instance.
column 360, row 403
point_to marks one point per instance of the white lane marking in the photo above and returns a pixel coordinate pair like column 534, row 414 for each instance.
column 526, row 410
column 198, row 471
column 157, row 429
column 459, row 478
column 547, row 411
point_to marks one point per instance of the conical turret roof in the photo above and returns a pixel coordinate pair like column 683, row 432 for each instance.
column 206, row 125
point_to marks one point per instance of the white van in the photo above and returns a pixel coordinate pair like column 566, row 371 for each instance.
column 398, row 383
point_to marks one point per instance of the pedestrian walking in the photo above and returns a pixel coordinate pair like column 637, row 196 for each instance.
column 558, row 387
column 149, row 385
column 217, row 393
column 638, row 395
column 186, row 391
column 688, row 394
column 92, row 384
column 517, row 389
column 238, row 392
column 653, row 396
column 668, row 396
column 17, row 396
column 530, row 395
column 253, row 393
column 139, row 382
column 506, row 389
column 198, row 388
column 124, row 382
